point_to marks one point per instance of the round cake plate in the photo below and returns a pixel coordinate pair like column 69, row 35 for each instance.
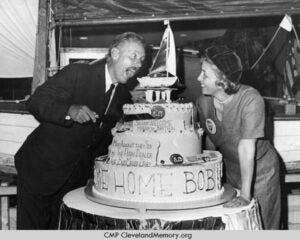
column 228, row 193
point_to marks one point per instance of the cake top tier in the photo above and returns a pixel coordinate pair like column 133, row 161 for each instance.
column 176, row 114
column 158, row 110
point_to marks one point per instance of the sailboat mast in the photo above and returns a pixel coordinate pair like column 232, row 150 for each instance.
column 168, row 50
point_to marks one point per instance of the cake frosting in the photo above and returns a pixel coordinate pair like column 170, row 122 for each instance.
column 156, row 141
column 160, row 184
column 156, row 157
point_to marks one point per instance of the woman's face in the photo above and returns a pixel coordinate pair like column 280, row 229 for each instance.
column 208, row 78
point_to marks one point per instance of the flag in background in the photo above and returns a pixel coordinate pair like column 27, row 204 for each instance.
column 290, row 71
column 285, row 46
column 289, row 57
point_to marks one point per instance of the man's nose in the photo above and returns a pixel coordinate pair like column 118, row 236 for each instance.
column 200, row 77
column 139, row 63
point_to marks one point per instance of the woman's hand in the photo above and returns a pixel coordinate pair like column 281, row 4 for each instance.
column 238, row 201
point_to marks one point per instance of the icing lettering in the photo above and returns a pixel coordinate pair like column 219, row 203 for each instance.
column 219, row 175
column 203, row 181
column 97, row 177
column 189, row 182
column 122, row 184
column 210, row 180
column 163, row 191
column 158, row 184
column 158, row 126
column 102, row 179
column 146, row 155
column 134, row 151
column 131, row 182
column 155, row 184
column 141, row 181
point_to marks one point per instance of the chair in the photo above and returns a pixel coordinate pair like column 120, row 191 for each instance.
column 5, row 192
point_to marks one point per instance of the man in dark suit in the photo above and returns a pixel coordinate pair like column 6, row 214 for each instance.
column 76, row 111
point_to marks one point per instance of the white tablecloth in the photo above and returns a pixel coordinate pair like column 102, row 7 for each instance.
column 244, row 218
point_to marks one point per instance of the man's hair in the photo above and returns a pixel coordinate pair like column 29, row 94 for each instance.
column 124, row 37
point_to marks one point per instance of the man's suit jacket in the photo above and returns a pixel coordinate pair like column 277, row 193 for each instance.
column 56, row 146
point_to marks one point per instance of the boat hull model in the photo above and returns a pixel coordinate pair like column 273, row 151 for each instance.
column 151, row 82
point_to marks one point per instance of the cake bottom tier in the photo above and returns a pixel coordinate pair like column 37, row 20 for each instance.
column 227, row 193
column 159, row 185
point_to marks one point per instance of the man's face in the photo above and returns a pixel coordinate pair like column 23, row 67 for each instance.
column 128, row 58
column 208, row 78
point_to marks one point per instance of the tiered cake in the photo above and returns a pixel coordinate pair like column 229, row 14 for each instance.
column 155, row 160
column 158, row 162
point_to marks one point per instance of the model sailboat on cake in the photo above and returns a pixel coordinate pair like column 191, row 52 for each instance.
column 163, row 70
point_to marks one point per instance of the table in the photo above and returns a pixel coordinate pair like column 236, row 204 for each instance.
column 78, row 212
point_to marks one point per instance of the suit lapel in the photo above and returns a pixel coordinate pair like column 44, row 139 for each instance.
column 100, row 89
column 114, row 101
column 120, row 97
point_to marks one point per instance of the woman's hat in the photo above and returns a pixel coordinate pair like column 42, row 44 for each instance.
column 227, row 61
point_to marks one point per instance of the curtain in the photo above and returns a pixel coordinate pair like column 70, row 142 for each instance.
column 18, row 27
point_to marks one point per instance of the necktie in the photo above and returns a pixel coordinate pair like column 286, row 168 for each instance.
column 108, row 94
column 107, row 100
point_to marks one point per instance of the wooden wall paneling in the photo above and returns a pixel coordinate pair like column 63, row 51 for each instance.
column 40, row 61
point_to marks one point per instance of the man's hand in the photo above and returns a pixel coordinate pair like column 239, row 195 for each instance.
column 239, row 201
column 82, row 114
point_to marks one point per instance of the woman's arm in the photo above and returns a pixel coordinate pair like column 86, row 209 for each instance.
column 246, row 150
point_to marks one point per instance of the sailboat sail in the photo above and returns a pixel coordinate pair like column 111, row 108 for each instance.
column 165, row 60
column 163, row 70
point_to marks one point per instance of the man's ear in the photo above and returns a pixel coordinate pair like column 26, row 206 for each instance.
column 115, row 53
